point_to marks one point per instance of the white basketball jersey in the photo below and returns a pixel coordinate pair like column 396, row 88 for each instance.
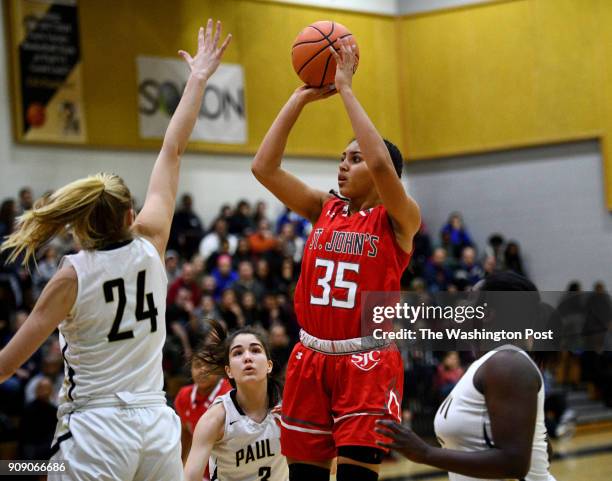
column 112, row 340
column 248, row 451
column 462, row 422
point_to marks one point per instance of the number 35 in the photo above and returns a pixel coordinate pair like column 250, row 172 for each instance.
column 339, row 282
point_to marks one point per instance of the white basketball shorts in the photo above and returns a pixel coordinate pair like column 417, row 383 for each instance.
column 117, row 443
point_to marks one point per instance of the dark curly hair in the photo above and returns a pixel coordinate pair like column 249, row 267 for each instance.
column 214, row 353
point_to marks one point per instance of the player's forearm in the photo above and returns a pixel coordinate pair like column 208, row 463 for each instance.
column 492, row 464
column 370, row 142
column 192, row 474
column 52, row 307
column 22, row 346
column 196, row 462
column 186, row 114
column 5, row 371
column 270, row 152
column 185, row 443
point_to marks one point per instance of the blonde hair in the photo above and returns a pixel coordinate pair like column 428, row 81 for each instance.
column 93, row 207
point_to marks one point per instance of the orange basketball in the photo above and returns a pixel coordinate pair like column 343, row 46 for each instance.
column 35, row 115
column 310, row 54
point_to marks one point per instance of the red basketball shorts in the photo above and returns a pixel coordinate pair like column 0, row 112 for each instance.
column 334, row 400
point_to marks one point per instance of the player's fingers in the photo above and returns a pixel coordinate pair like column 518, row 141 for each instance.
column 385, row 432
column 208, row 34
column 389, row 445
column 344, row 43
column 201, row 38
column 217, row 34
column 330, row 91
column 350, row 52
column 185, row 55
column 334, row 54
column 392, row 425
column 225, row 43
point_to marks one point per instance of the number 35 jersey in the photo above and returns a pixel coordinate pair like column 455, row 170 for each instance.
column 346, row 255
column 112, row 340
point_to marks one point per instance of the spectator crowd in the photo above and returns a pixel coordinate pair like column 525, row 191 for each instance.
column 242, row 270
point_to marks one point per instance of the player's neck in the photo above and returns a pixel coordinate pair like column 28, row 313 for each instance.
column 205, row 391
column 253, row 399
column 366, row 202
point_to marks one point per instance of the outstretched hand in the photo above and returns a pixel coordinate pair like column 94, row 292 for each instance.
column 403, row 439
column 208, row 56
column 346, row 62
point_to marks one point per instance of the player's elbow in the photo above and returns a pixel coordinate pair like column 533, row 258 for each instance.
column 518, row 472
column 260, row 171
column 4, row 374
column 255, row 170
column 173, row 150
column 518, row 466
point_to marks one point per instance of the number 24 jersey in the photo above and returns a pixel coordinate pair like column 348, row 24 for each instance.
column 112, row 340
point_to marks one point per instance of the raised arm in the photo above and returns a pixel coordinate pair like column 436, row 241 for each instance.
column 266, row 167
column 208, row 431
column 53, row 305
column 402, row 208
column 155, row 218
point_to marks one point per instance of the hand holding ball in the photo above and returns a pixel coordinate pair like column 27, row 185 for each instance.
column 311, row 57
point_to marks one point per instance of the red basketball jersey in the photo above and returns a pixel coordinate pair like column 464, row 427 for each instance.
column 191, row 406
column 345, row 256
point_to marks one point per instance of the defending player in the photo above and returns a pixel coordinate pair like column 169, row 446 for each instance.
column 337, row 383
column 238, row 436
column 109, row 302
column 491, row 425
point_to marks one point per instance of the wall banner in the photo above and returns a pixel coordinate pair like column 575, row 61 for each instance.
column 48, row 84
column 222, row 117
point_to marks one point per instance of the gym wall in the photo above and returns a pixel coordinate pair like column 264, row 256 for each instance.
column 547, row 198
column 508, row 74
column 115, row 32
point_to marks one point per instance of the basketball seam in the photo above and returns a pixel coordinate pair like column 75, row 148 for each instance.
column 330, row 32
column 331, row 44
column 308, row 41
column 325, row 70
column 326, row 37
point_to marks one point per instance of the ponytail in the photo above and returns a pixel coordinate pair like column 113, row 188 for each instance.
column 94, row 207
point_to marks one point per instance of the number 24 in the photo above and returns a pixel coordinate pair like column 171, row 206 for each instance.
column 141, row 314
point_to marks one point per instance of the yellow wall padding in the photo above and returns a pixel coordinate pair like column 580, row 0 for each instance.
column 115, row 32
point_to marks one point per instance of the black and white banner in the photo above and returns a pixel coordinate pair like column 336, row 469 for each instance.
column 222, row 117
column 46, row 33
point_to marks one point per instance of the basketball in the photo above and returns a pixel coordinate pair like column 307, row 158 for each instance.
column 310, row 56
column 35, row 115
